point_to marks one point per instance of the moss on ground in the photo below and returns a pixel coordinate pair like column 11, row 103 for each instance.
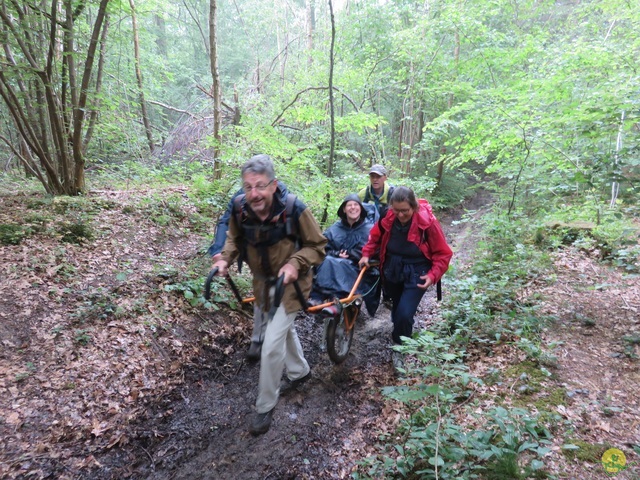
column 586, row 452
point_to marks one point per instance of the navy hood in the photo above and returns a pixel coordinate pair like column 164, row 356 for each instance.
column 352, row 197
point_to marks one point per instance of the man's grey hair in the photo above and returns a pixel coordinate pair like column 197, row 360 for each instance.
column 260, row 165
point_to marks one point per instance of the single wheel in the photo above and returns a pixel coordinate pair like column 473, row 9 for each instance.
column 340, row 333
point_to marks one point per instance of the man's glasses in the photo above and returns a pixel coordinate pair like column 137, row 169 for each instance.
column 260, row 188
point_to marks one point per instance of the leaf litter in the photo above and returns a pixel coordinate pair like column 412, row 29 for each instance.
column 106, row 374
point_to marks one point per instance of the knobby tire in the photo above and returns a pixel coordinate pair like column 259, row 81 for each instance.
column 338, row 338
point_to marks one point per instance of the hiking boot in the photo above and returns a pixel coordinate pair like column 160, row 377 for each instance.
column 261, row 423
column 255, row 349
column 289, row 385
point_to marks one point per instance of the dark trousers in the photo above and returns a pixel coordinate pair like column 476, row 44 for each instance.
column 406, row 297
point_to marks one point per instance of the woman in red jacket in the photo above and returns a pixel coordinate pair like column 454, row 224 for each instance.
column 413, row 255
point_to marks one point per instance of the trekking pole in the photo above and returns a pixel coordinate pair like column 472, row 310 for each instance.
column 277, row 296
column 235, row 290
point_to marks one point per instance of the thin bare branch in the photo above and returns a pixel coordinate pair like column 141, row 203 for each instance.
column 308, row 89
column 173, row 109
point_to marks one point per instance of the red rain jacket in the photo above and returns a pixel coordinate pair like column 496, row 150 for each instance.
column 424, row 225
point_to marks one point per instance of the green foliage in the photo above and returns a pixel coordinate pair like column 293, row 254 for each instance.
column 82, row 337
column 12, row 234
column 594, row 229
column 101, row 305
column 192, row 290
column 75, row 232
column 164, row 209
column 37, row 222
column 74, row 205
column 535, row 94
column 455, row 188
column 584, row 451
column 483, row 305
column 631, row 343
column 211, row 197
column 432, row 442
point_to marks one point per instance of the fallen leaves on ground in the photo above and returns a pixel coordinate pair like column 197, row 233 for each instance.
column 88, row 333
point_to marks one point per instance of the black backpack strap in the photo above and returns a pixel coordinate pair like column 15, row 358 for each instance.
column 367, row 197
column 237, row 214
column 290, row 221
column 237, row 208
column 291, row 201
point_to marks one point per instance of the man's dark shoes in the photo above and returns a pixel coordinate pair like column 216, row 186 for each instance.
column 253, row 354
column 289, row 385
column 261, row 423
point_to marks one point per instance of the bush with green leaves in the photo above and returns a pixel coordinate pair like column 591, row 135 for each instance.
column 75, row 231
column 483, row 303
column 192, row 288
column 435, row 443
column 592, row 227
column 12, row 234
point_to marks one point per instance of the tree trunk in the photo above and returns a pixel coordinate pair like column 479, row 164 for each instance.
column 236, row 107
column 332, row 143
column 161, row 35
column 450, row 99
column 44, row 102
column 407, row 125
column 136, row 52
column 93, row 117
column 215, row 87
column 615, row 185
column 310, row 26
column 331, row 99
column 78, row 113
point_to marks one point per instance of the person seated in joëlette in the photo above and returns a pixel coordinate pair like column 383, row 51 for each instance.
column 337, row 274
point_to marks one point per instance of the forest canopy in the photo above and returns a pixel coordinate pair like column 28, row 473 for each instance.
column 541, row 94
column 123, row 127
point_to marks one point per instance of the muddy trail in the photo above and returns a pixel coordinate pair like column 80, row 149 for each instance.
column 319, row 431
column 111, row 368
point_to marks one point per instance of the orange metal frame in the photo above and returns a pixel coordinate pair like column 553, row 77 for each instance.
column 349, row 314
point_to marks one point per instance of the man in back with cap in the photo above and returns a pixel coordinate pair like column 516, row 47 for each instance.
column 378, row 191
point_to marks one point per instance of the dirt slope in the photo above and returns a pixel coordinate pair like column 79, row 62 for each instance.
column 108, row 372
column 319, row 432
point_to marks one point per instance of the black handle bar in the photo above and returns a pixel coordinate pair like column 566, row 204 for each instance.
column 279, row 291
column 207, row 286
column 207, row 283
